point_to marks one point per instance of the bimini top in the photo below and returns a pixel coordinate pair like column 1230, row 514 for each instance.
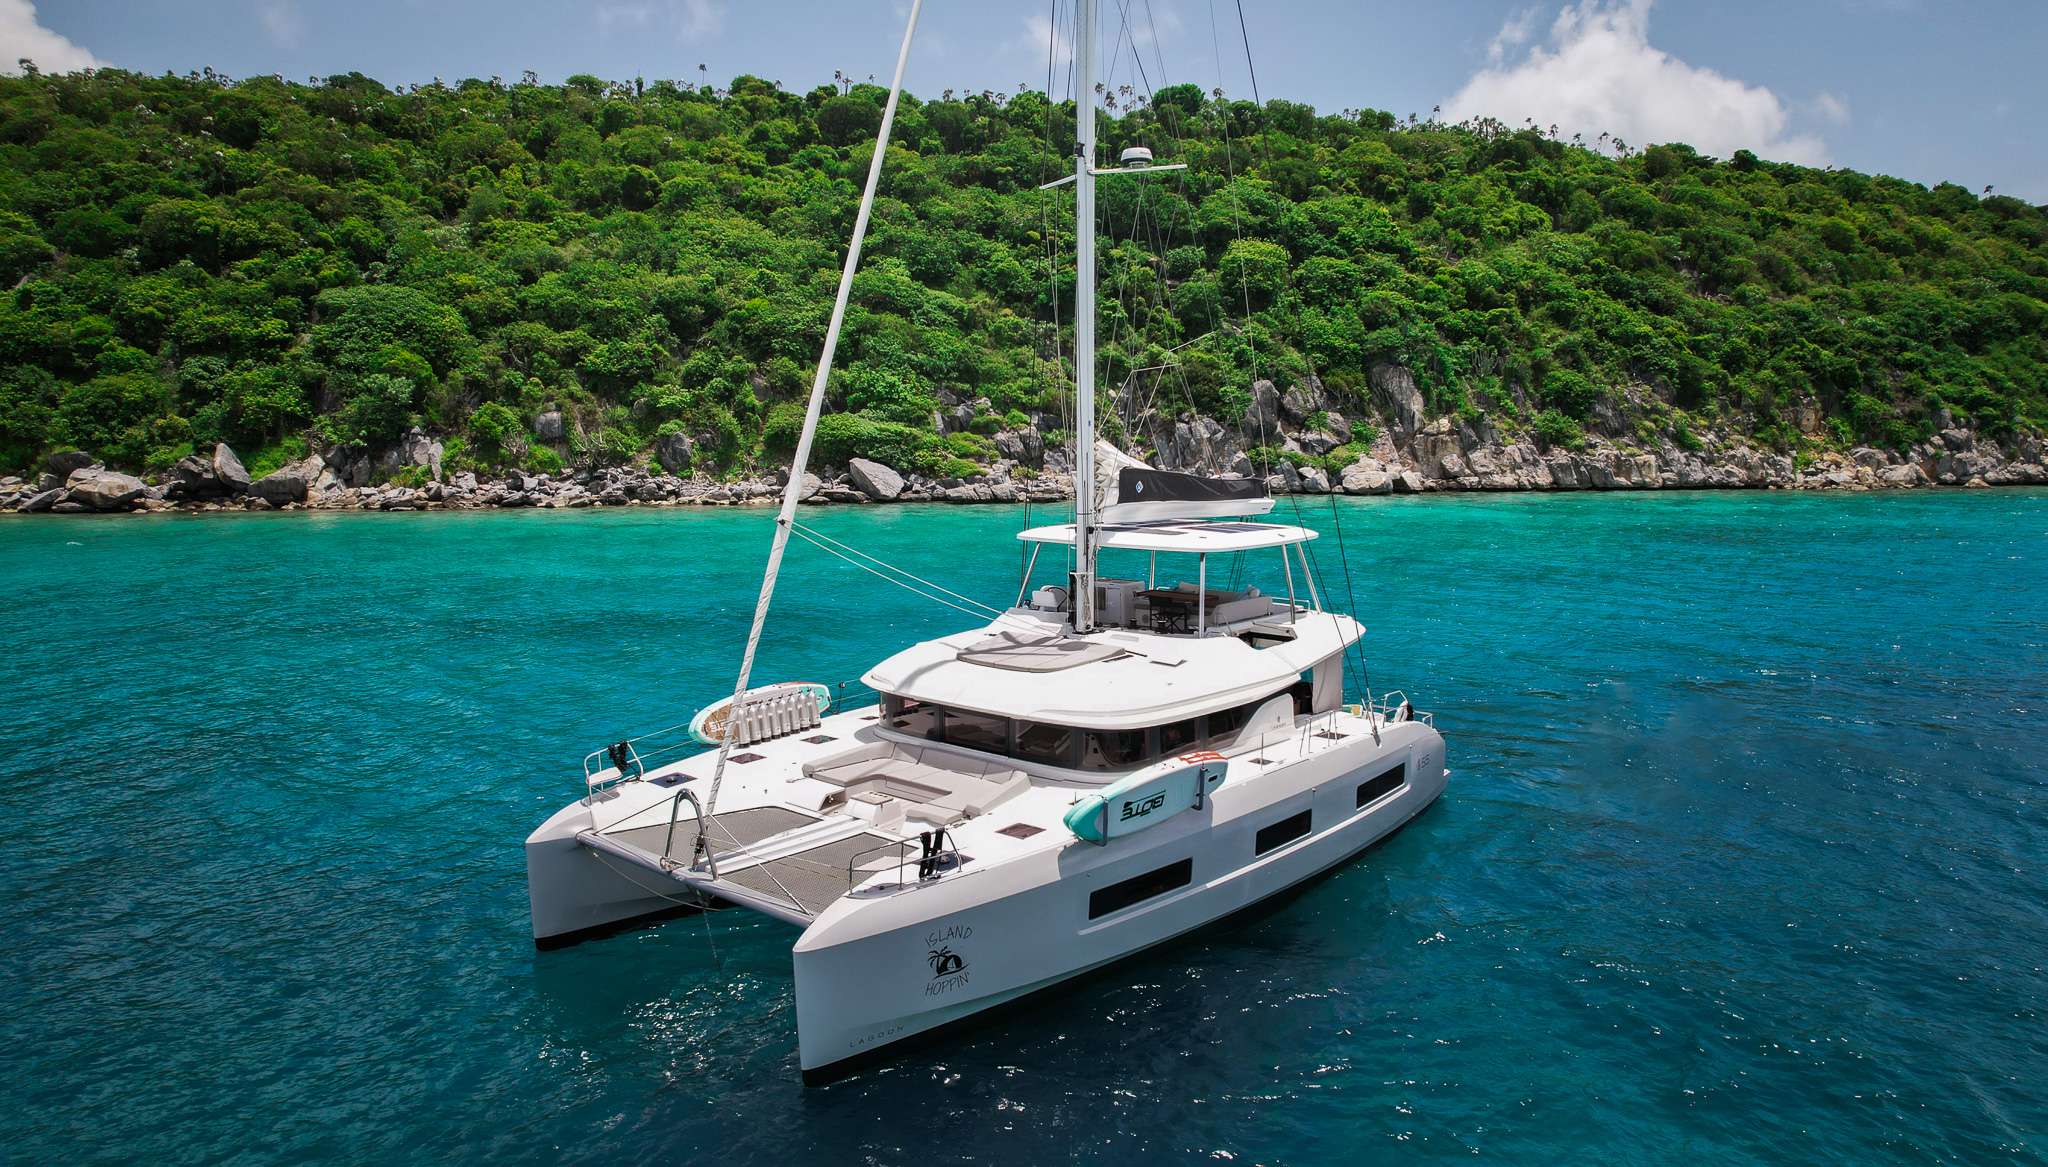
column 1184, row 535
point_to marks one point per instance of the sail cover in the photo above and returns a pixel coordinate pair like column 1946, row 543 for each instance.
column 1144, row 495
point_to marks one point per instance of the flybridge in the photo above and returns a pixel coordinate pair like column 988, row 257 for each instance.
column 1179, row 535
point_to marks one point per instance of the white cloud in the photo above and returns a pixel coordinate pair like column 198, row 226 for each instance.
column 1832, row 109
column 1039, row 33
column 693, row 20
column 22, row 36
column 701, row 19
column 283, row 22
column 1598, row 73
column 1512, row 35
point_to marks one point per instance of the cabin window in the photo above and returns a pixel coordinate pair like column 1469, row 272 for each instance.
column 1116, row 749
column 977, row 731
column 1139, row 888
column 1179, row 735
column 1059, row 745
column 1229, row 721
column 1373, row 789
column 912, row 717
column 1045, row 743
column 1279, row 834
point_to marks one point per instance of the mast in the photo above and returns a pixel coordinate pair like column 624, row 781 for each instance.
column 792, row 490
column 1082, row 597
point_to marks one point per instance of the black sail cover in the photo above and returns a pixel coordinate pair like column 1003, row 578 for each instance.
column 1144, row 495
column 1137, row 484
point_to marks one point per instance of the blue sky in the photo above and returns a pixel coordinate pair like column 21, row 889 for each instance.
column 1924, row 89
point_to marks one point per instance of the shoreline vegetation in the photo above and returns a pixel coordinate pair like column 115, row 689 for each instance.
column 1437, row 460
column 593, row 293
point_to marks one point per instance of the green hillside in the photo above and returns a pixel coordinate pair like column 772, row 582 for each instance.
column 273, row 264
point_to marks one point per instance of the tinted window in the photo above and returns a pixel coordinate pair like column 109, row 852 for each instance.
column 1374, row 789
column 913, row 717
column 1180, row 735
column 1118, row 896
column 1285, row 831
column 1229, row 721
column 1052, row 745
column 977, row 731
column 1113, row 749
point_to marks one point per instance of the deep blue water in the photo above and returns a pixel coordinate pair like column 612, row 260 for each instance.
column 1744, row 857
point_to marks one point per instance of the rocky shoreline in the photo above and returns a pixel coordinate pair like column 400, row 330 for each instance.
column 1298, row 433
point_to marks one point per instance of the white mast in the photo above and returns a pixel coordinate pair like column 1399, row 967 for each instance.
column 1082, row 600
column 792, row 491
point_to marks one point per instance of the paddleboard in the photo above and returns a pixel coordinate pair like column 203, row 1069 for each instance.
column 1147, row 799
column 708, row 726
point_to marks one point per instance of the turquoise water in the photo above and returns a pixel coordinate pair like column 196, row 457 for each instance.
column 1742, row 858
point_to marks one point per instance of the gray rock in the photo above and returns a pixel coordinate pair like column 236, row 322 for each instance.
column 809, row 487
column 228, row 470
column 1025, row 447
column 1296, row 404
column 102, row 490
column 291, row 482
column 547, row 426
column 1262, row 416
column 64, row 462
column 875, row 480
column 1366, row 476
column 42, row 501
column 1316, row 442
column 414, row 449
column 1314, row 480
column 674, row 451
column 1907, row 475
column 1408, row 482
column 1395, row 387
column 70, row 506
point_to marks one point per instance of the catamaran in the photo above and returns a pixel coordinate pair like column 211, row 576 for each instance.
column 1104, row 765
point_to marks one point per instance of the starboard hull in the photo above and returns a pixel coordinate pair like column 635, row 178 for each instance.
column 952, row 952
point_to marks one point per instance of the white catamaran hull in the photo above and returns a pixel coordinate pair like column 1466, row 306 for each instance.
column 873, row 972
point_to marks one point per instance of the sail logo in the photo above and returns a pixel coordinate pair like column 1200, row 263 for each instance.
column 1142, row 807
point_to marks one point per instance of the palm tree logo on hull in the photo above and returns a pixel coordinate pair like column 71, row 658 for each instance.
column 945, row 962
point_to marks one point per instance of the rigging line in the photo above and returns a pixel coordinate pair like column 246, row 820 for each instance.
column 999, row 618
column 1237, row 226
column 1158, row 56
column 822, row 539
column 1248, row 66
column 1287, row 275
column 879, row 574
column 1137, row 59
column 787, row 516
